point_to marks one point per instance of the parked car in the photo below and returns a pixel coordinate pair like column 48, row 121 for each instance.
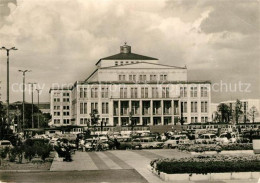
column 129, row 143
column 226, row 138
column 173, row 141
column 206, row 139
column 5, row 143
column 149, row 143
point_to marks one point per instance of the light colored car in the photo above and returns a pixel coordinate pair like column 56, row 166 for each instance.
column 5, row 143
column 173, row 141
column 223, row 138
column 206, row 139
column 150, row 143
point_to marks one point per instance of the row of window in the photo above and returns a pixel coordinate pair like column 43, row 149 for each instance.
column 94, row 105
column 125, row 62
column 194, row 107
column 194, row 92
column 64, row 100
column 145, row 93
column 59, row 113
column 65, row 121
column 93, row 92
column 84, row 121
column 142, row 77
column 57, row 107
column 64, row 94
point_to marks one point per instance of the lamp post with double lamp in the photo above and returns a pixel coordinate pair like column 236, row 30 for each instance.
column 7, row 93
column 23, row 71
column 38, row 91
column 32, row 102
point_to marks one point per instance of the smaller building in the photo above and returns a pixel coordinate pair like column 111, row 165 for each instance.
column 250, row 109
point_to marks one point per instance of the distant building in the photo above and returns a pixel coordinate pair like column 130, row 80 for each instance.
column 128, row 83
column 247, row 105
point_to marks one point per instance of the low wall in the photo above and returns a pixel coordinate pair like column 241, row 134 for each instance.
column 206, row 177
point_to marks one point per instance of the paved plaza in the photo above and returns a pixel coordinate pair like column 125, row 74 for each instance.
column 106, row 166
column 121, row 160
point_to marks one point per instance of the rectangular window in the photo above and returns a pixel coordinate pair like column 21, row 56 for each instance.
column 194, row 119
column 104, row 93
column 123, row 92
column 193, row 91
column 81, row 121
column 81, row 93
column 66, row 107
column 66, row 94
column 94, row 105
column 204, row 107
column 133, row 92
column 85, row 92
column 56, row 99
column 163, row 77
column 184, row 105
column 204, row 92
column 153, row 77
column 121, row 77
column 85, row 108
column 116, row 63
column 132, row 77
column 94, row 92
column 105, row 108
column 142, row 77
column 165, row 92
column 66, row 99
column 183, row 91
column 155, row 93
column 194, row 107
column 144, row 92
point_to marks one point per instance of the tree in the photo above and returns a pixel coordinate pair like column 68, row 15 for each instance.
column 216, row 117
column 253, row 113
column 5, row 131
column 238, row 110
column 94, row 118
column 224, row 110
column 131, row 122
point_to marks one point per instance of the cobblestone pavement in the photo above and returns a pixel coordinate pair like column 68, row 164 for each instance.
column 129, row 159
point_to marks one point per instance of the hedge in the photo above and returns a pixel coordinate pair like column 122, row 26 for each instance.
column 215, row 147
column 208, row 164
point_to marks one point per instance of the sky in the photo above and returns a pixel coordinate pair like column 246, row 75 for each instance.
column 61, row 40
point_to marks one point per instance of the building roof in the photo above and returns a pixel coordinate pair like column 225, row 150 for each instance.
column 126, row 54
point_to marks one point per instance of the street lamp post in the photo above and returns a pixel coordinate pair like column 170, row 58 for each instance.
column 7, row 98
column 38, row 91
column 32, row 103
column 23, row 71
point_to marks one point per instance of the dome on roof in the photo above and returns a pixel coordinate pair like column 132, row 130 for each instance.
column 125, row 48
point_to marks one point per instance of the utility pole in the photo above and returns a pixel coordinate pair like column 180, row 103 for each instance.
column 23, row 71
column 32, row 102
column 7, row 98
column 38, row 91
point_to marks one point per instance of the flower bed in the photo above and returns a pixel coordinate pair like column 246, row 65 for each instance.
column 208, row 164
column 215, row 147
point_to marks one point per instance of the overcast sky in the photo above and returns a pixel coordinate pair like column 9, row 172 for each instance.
column 61, row 40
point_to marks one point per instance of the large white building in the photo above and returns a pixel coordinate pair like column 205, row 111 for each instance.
column 155, row 94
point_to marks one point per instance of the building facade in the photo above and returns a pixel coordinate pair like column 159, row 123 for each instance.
column 130, row 86
column 250, row 109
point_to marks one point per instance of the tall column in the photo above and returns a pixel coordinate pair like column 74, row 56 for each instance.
column 141, row 110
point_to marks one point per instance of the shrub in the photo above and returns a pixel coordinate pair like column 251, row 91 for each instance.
column 20, row 152
column 44, row 151
column 30, row 152
column 12, row 155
